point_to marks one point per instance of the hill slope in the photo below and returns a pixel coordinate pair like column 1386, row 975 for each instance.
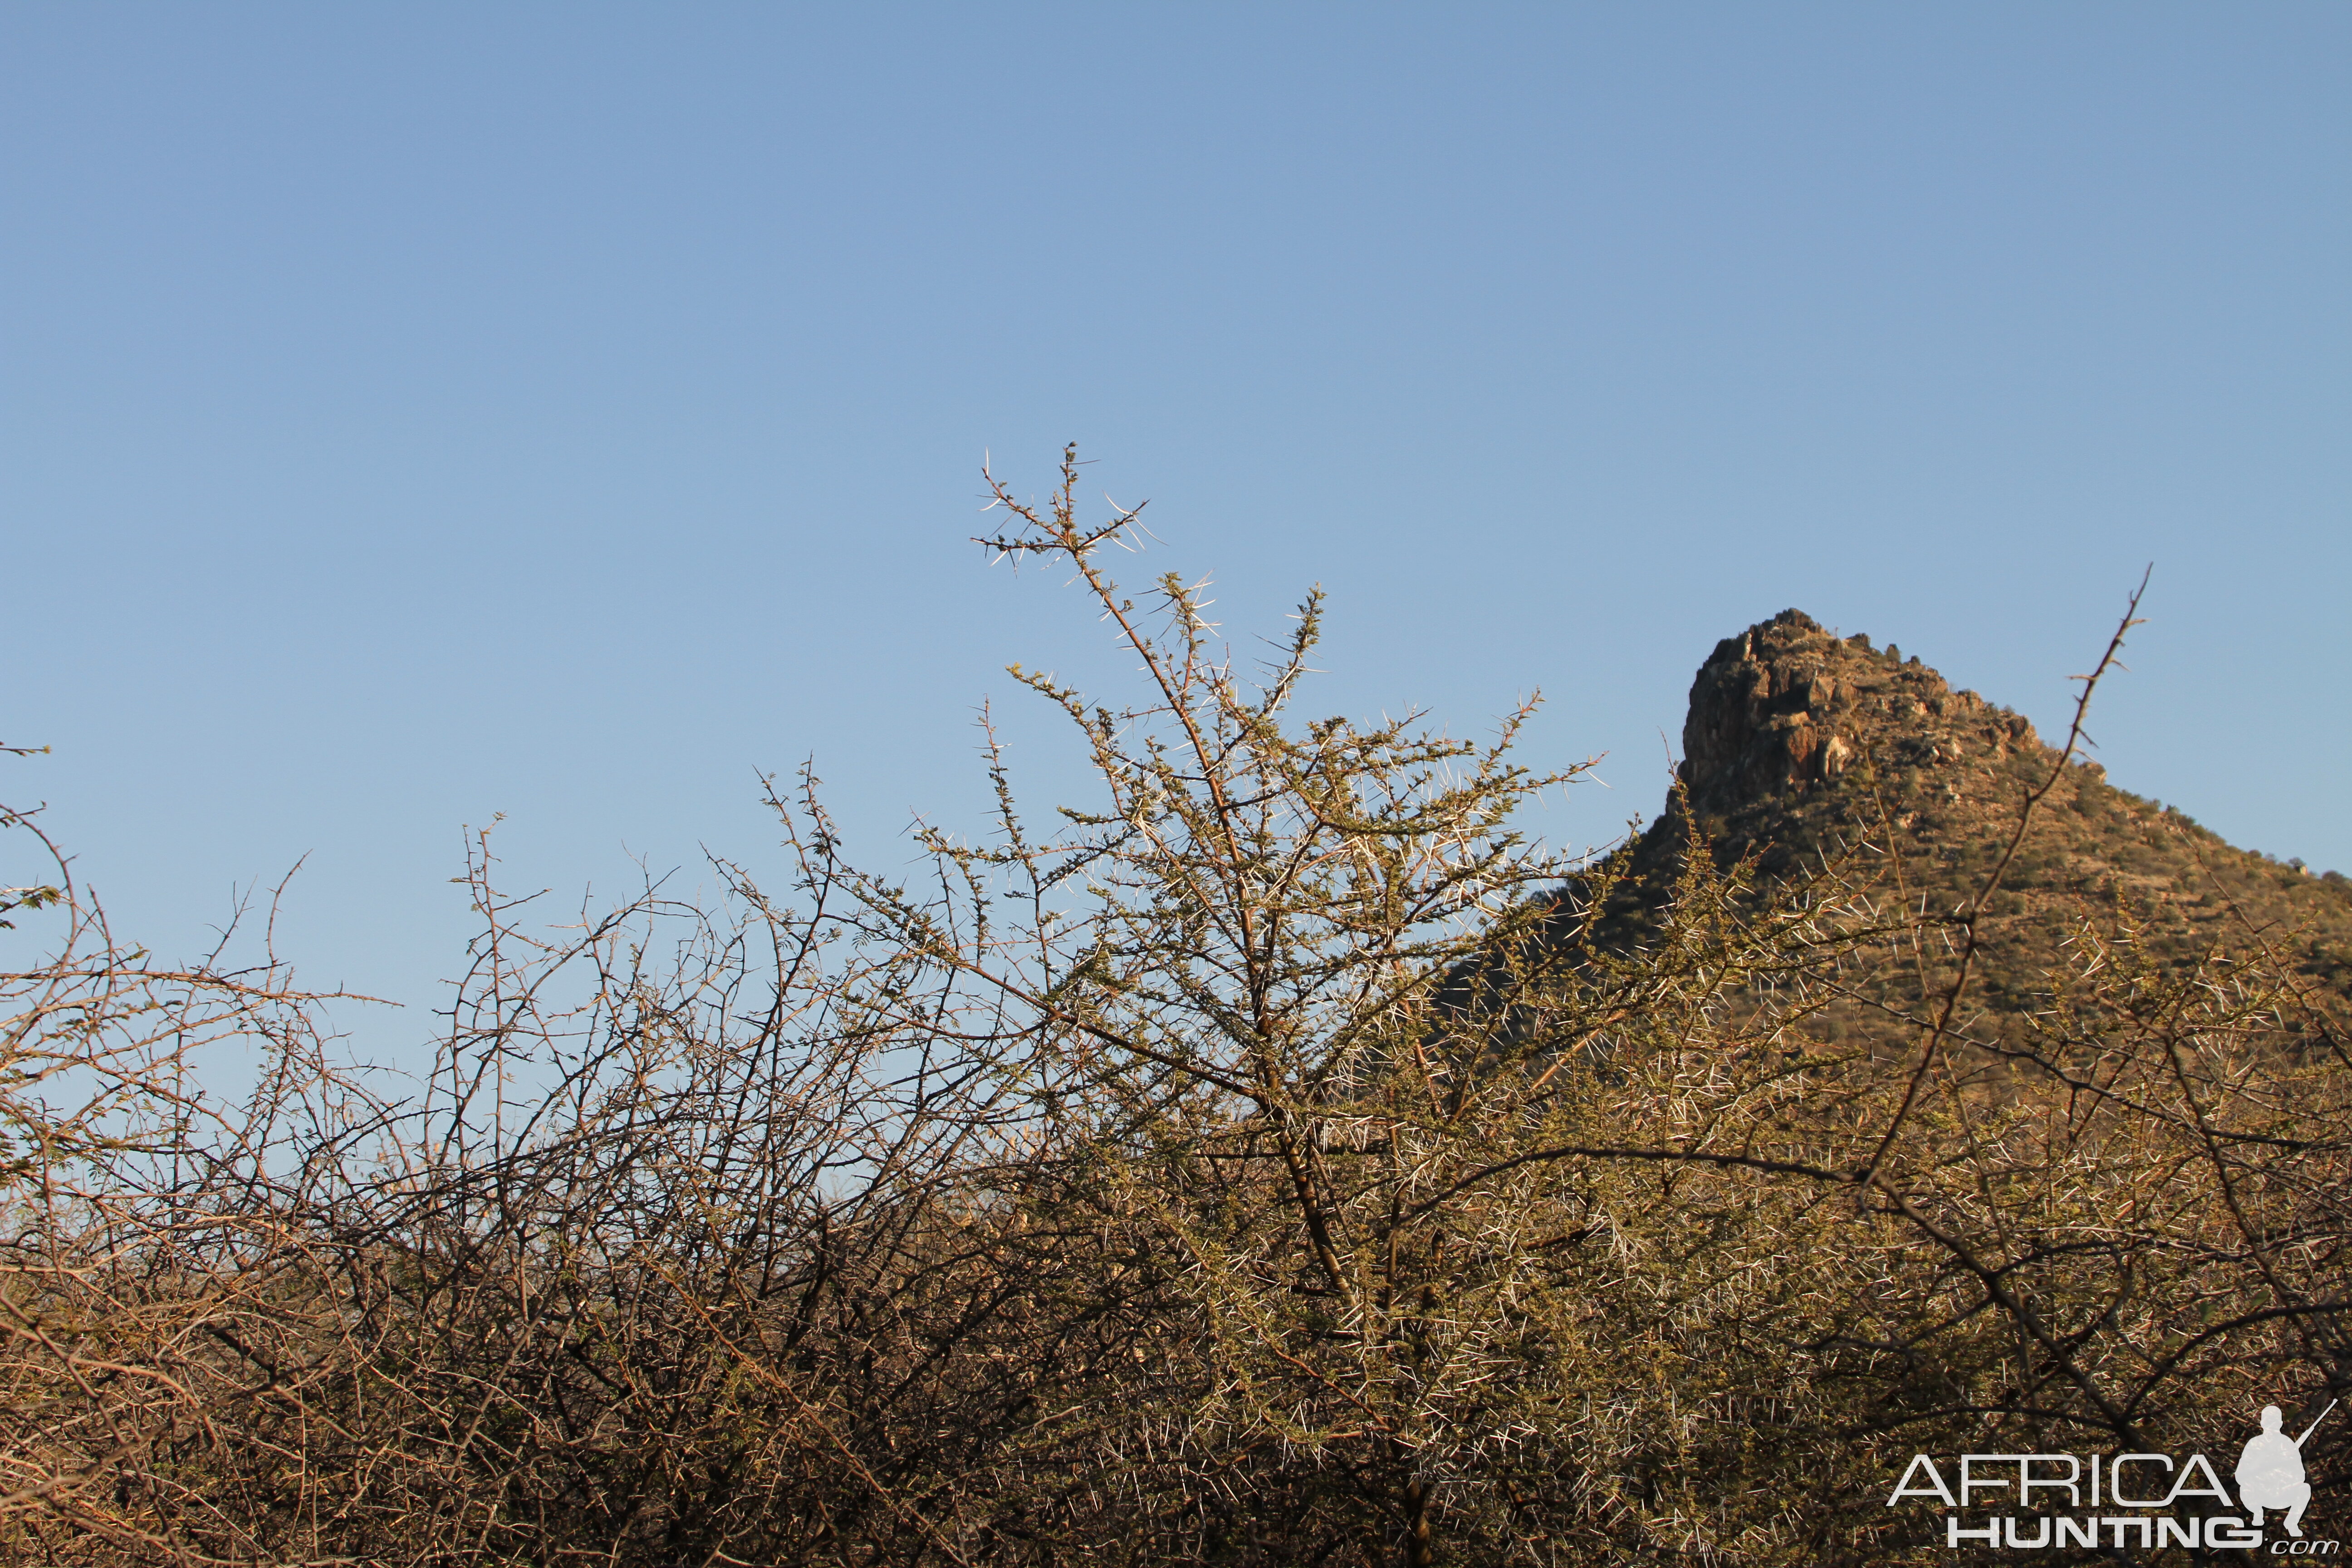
column 1801, row 748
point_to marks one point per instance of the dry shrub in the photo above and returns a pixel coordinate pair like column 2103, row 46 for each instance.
column 1271, row 1165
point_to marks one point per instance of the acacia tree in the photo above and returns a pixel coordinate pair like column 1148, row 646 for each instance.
column 1306, row 1033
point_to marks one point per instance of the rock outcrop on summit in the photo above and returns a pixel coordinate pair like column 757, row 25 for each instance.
column 1804, row 750
column 1785, row 706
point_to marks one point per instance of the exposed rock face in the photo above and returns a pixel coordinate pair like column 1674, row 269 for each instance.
column 1785, row 707
column 1803, row 750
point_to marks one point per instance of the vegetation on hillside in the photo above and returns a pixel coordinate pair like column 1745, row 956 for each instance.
column 1266, row 1164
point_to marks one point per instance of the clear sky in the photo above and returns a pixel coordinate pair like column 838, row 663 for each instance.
column 413, row 413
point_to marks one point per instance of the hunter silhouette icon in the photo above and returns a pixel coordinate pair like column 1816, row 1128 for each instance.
column 2269, row 1471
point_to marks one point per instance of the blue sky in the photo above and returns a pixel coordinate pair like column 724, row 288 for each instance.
column 411, row 414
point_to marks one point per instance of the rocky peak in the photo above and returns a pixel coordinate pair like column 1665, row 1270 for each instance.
column 1786, row 706
column 1803, row 750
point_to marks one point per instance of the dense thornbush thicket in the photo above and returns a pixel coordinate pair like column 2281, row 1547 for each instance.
column 1270, row 1166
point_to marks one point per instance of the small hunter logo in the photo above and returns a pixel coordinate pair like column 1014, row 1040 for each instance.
column 2269, row 1471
